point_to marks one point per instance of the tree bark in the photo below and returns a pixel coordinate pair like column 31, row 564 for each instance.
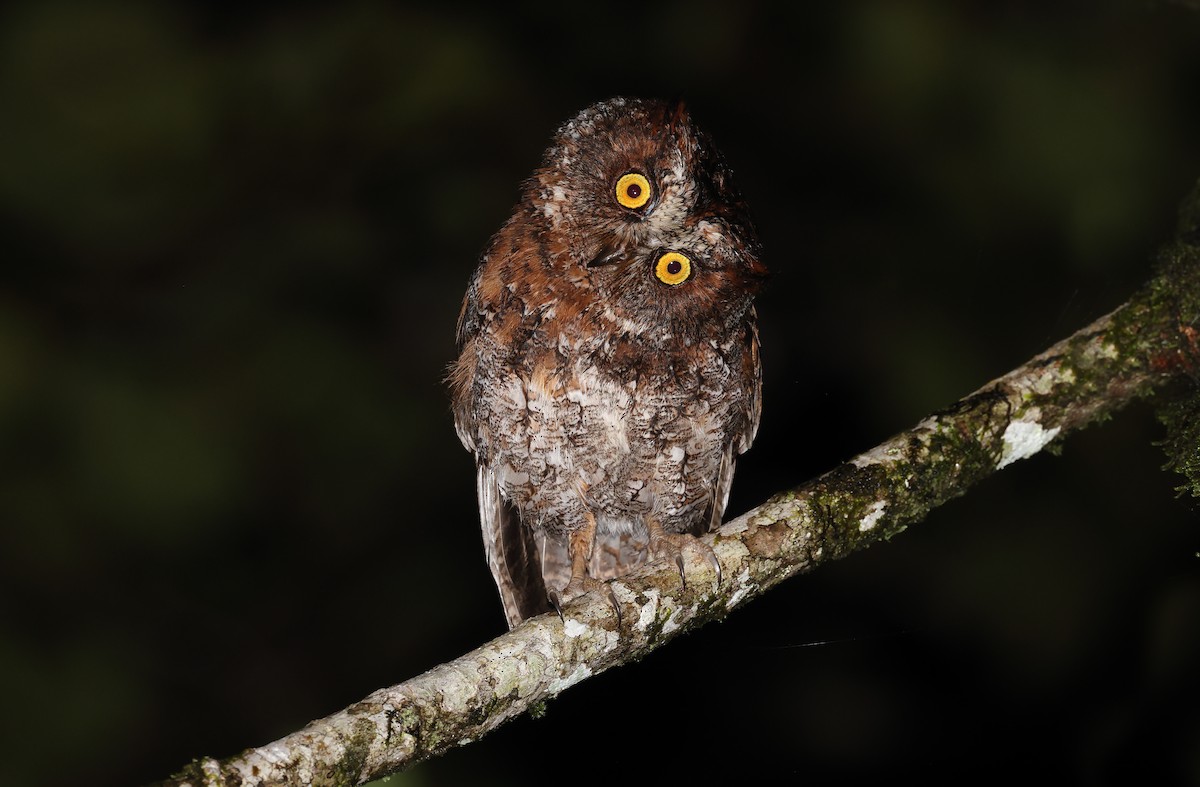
column 1140, row 347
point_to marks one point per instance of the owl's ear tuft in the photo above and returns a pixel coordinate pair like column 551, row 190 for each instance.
column 754, row 268
column 678, row 115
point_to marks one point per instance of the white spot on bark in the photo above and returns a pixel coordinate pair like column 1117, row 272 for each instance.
column 649, row 609
column 671, row 625
column 1023, row 439
column 561, row 684
column 873, row 516
column 744, row 586
column 573, row 628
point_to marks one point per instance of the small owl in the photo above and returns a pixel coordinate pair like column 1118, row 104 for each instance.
column 608, row 374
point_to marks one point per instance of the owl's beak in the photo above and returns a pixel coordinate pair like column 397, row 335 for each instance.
column 607, row 256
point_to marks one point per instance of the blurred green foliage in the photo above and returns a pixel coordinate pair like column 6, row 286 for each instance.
column 234, row 242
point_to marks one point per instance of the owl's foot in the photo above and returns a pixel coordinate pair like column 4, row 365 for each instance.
column 580, row 545
column 578, row 586
column 671, row 545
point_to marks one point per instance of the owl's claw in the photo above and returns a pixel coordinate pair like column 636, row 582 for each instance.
column 612, row 599
column 556, row 602
column 576, row 588
column 664, row 544
column 716, row 566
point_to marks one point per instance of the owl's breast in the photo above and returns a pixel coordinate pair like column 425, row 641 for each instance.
column 609, row 428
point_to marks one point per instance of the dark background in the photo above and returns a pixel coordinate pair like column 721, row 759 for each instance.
column 233, row 246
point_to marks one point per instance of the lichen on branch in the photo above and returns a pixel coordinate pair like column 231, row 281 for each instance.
column 1179, row 410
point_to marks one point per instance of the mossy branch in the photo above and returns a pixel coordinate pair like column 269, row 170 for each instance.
column 1131, row 352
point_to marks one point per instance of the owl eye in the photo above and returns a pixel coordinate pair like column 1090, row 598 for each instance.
column 673, row 268
column 633, row 190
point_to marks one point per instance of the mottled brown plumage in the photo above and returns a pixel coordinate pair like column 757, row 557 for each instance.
column 608, row 373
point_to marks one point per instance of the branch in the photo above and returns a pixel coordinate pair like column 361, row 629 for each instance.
column 1127, row 354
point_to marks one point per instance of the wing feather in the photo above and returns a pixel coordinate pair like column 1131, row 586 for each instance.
column 741, row 442
column 754, row 404
column 512, row 553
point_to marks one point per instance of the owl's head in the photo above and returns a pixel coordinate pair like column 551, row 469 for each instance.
column 639, row 206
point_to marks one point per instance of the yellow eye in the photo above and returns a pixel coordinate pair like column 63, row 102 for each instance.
column 633, row 190
column 673, row 268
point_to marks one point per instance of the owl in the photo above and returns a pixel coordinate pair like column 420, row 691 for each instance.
column 608, row 373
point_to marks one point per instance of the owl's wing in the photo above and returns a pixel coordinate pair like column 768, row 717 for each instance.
column 512, row 553
column 742, row 440
column 754, row 370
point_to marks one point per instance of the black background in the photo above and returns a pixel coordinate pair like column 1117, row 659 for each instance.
column 234, row 244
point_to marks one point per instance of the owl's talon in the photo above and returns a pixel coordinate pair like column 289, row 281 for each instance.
column 556, row 599
column 577, row 587
column 672, row 544
column 716, row 566
column 612, row 599
column 556, row 602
